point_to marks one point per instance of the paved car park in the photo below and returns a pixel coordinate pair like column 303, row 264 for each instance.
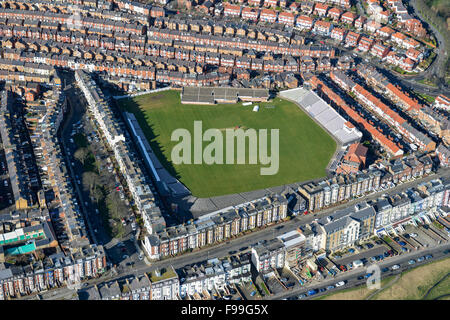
column 420, row 236
column 433, row 234
column 363, row 255
column 248, row 291
column 274, row 285
column 356, row 277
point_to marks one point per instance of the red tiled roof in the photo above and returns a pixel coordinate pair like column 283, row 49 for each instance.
column 321, row 6
column 403, row 96
column 323, row 24
column 349, row 15
column 286, row 15
column 305, row 19
column 377, row 135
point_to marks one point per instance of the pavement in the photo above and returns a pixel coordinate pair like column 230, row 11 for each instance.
column 351, row 277
column 94, row 221
column 438, row 64
column 243, row 243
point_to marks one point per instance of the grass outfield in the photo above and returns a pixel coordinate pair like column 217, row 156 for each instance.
column 305, row 148
column 412, row 285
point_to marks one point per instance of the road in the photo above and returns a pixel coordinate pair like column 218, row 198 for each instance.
column 351, row 277
column 70, row 118
column 438, row 64
column 245, row 241
column 410, row 82
column 95, row 226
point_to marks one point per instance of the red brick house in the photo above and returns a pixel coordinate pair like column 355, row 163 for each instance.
column 268, row 15
column 348, row 17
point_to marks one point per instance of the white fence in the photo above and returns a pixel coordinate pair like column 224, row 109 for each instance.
column 141, row 93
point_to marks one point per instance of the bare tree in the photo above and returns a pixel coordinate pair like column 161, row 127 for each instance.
column 81, row 155
column 97, row 193
column 90, row 180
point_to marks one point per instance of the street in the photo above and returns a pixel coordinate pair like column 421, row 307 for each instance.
column 351, row 277
column 244, row 243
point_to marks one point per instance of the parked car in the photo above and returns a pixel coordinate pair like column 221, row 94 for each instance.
column 413, row 235
column 395, row 267
column 412, row 261
column 312, row 292
column 428, row 256
column 420, row 259
column 330, row 287
column 340, row 283
column 290, row 285
column 351, row 250
column 402, row 243
column 385, row 270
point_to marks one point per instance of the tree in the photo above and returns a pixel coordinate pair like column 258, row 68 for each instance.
column 90, row 180
column 81, row 155
column 115, row 205
column 97, row 193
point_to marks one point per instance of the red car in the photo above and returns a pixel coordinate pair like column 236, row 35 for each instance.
column 343, row 268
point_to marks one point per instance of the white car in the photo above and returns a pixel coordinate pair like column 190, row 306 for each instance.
column 340, row 283
column 395, row 267
column 413, row 235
